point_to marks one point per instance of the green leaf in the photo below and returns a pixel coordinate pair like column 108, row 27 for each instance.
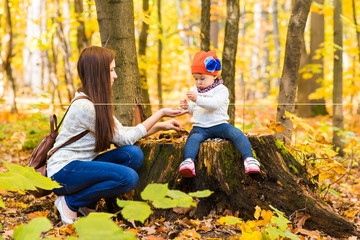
column 274, row 233
column 291, row 235
column 183, row 200
column 100, row 226
column 155, row 191
column 201, row 194
column 281, row 221
column 165, row 203
column 24, row 178
column 135, row 210
column 2, row 204
column 33, row 229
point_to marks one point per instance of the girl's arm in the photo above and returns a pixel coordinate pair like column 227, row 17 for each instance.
column 164, row 112
column 221, row 97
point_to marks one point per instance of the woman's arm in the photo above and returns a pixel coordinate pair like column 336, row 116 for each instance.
column 152, row 126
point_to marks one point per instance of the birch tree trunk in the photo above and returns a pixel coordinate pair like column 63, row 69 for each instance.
column 255, row 52
column 116, row 24
column 338, row 117
column 288, row 82
column 142, row 58
column 32, row 55
column 11, row 86
column 205, row 25
column 229, row 52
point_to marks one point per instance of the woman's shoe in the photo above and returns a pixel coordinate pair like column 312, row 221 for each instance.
column 64, row 211
column 85, row 211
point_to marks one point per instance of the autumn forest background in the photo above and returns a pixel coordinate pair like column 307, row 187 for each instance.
column 300, row 83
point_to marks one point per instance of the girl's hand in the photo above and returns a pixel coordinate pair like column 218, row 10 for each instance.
column 184, row 104
column 192, row 96
column 171, row 124
column 168, row 112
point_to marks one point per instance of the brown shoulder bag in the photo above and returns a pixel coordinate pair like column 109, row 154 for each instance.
column 40, row 154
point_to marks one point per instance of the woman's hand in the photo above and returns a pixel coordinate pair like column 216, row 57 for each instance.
column 184, row 104
column 171, row 124
column 192, row 96
column 168, row 112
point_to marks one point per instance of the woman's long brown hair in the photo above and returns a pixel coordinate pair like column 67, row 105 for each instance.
column 94, row 71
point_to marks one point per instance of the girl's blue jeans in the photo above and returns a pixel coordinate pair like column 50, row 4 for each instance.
column 224, row 130
column 110, row 174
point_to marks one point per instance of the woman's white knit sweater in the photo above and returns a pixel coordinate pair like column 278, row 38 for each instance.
column 210, row 108
column 81, row 117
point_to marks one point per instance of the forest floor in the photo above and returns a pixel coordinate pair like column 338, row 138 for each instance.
column 343, row 197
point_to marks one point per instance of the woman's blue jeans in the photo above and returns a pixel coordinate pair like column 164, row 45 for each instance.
column 110, row 174
column 224, row 130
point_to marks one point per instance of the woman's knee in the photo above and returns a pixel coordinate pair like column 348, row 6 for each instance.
column 129, row 181
column 137, row 157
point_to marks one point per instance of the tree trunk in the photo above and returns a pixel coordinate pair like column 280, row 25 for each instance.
column 62, row 31
column 242, row 45
column 303, row 107
column 214, row 29
column 357, row 38
column 255, row 63
column 316, row 39
column 264, row 65
column 80, row 29
column 116, row 24
column 159, row 70
column 219, row 168
column 276, row 41
column 308, row 107
column 205, row 25
column 229, row 52
column 11, row 86
column 288, row 82
column 142, row 59
column 338, row 117
column 32, row 56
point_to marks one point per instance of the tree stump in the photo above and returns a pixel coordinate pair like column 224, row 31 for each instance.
column 282, row 182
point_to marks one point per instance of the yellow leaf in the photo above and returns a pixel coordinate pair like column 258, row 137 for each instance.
column 257, row 212
column 276, row 127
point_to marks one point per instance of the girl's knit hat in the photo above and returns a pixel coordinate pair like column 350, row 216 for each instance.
column 206, row 63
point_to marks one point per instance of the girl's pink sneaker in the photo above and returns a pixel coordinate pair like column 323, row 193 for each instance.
column 187, row 168
column 251, row 165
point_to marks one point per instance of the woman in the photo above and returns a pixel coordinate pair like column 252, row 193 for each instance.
column 85, row 175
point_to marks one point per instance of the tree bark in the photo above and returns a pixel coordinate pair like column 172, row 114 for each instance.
column 276, row 41
column 288, row 82
column 255, row 62
column 32, row 56
column 11, row 86
column 159, row 65
column 82, row 40
column 214, row 29
column 219, row 168
column 62, row 31
column 205, row 25
column 116, row 24
column 229, row 52
column 338, row 117
column 142, row 59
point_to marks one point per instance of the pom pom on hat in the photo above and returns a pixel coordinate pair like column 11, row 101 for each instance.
column 206, row 63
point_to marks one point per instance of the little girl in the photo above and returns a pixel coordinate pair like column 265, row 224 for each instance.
column 208, row 104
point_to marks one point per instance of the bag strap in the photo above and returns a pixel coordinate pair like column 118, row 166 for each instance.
column 71, row 140
column 77, row 98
